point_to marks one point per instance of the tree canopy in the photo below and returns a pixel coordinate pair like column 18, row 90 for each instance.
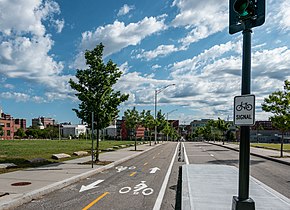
column 94, row 89
column 278, row 103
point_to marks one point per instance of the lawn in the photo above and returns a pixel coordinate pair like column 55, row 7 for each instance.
column 20, row 151
column 286, row 147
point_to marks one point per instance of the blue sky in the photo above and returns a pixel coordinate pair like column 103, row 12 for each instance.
column 155, row 43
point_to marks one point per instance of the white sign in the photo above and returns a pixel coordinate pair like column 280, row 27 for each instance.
column 244, row 110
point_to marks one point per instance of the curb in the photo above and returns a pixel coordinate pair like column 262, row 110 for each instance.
column 27, row 197
column 255, row 154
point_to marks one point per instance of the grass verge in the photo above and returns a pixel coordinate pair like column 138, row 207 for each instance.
column 20, row 151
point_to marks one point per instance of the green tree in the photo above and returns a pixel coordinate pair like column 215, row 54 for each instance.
column 278, row 103
column 148, row 122
column 132, row 122
column 94, row 87
column 223, row 127
column 160, row 121
column 1, row 131
column 20, row 133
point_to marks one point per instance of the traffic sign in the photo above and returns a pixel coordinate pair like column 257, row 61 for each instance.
column 244, row 110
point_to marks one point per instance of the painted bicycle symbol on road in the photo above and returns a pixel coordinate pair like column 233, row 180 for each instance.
column 244, row 106
column 142, row 187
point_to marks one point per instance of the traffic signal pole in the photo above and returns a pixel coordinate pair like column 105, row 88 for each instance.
column 243, row 202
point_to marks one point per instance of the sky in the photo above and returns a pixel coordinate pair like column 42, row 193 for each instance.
column 154, row 42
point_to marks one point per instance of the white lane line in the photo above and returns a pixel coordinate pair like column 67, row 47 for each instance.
column 165, row 182
column 185, row 155
column 212, row 155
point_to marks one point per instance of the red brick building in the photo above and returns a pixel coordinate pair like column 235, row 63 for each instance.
column 10, row 126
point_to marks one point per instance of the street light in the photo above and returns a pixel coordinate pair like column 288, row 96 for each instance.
column 156, row 92
column 167, row 120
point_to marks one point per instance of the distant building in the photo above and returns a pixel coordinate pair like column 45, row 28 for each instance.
column 10, row 126
column 43, row 121
column 73, row 130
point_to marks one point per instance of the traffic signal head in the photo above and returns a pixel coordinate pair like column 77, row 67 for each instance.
column 244, row 8
column 245, row 14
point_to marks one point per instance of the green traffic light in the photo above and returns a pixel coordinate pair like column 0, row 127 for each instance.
column 241, row 7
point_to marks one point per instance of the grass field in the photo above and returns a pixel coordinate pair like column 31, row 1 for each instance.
column 20, row 151
column 286, row 147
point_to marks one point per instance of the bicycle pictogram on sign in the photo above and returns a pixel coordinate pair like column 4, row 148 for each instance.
column 244, row 106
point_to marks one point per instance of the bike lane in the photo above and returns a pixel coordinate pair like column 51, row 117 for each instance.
column 136, row 184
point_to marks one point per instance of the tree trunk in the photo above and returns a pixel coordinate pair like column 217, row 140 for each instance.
column 135, row 143
column 282, row 142
column 97, row 148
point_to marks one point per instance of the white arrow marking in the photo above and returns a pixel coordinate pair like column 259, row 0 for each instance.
column 153, row 170
column 90, row 186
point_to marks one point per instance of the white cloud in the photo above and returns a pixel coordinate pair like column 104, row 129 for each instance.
column 208, row 82
column 202, row 17
column 117, row 36
column 9, row 86
column 25, row 43
column 125, row 9
column 15, row 96
column 161, row 50
column 156, row 66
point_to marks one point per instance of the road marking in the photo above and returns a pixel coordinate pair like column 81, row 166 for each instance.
column 153, row 157
column 153, row 170
column 95, row 201
column 185, row 154
column 90, row 186
column 212, row 155
column 166, row 179
column 132, row 174
column 145, row 164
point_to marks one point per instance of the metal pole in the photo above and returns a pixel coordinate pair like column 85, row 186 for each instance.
column 244, row 163
column 155, row 134
column 92, row 150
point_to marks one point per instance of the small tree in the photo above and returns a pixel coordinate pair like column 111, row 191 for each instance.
column 160, row 121
column 278, row 103
column 132, row 122
column 1, row 131
column 94, row 87
column 223, row 127
column 20, row 133
column 147, row 120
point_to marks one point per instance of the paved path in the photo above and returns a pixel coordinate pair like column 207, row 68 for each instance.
column 45, row 179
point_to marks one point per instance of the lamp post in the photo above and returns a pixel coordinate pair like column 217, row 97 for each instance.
column 167, row 120
column 156, row 92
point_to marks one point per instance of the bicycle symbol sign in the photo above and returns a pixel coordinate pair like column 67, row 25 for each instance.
column 244, row 110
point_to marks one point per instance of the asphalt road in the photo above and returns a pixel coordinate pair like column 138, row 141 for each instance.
column 138, row 183
column 135, row 184
column 273, row 174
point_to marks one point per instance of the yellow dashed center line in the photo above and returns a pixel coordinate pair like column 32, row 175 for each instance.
column 132, row 174
column 95, row 201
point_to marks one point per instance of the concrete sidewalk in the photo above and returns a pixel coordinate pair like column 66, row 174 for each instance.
column 208, row 187
column 260, row 152
column 35, row 182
